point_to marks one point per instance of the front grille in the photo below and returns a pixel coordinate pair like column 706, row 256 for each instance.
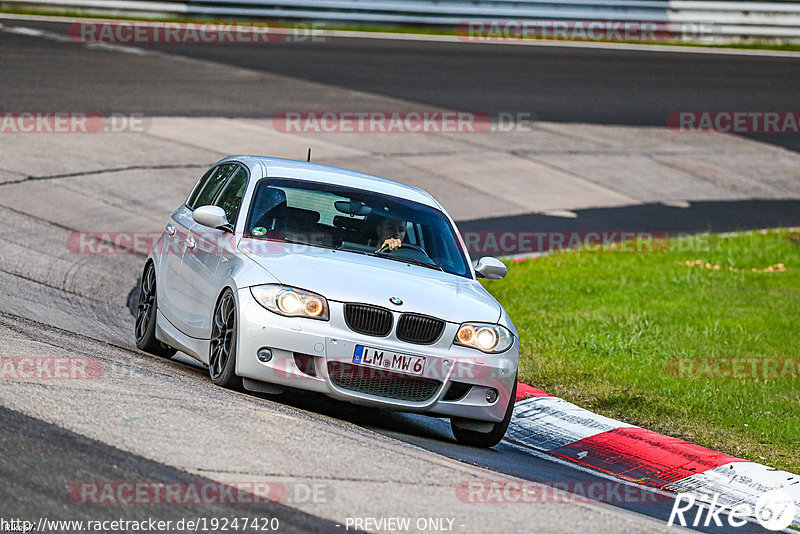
column 382, row 383
column 369, row 320
column 419, row 329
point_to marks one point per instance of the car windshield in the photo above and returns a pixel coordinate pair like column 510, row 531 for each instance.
column 332, row 216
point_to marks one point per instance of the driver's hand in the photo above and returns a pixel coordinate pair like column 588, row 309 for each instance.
column 392, row 243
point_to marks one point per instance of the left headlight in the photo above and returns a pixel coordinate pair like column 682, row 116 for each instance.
column 291, row 302
column 490, row 338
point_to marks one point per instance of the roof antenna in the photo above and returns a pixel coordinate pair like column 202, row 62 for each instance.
column 309, row 155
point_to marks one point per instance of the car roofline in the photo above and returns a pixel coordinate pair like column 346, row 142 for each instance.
column 316, row 172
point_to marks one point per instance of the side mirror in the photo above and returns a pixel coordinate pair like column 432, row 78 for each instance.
column 213, row 217
column 491, row 268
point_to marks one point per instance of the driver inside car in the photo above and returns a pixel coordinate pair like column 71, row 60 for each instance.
column 391, row 233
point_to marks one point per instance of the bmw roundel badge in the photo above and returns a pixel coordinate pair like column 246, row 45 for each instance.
column 396, row 301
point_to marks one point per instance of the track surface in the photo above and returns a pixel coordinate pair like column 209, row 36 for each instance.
column 59, row 302
column 553, row 83
column 34, row 488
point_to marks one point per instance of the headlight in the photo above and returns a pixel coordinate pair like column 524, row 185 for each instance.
column 291, row 302
column 491, row 338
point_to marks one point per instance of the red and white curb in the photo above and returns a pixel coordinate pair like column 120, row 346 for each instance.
column 562, row 429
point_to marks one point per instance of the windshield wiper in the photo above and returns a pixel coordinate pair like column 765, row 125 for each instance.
column 425, row 264
column 345, row 249
column 406, row 260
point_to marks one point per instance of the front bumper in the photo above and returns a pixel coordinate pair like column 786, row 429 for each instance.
column 322, row 342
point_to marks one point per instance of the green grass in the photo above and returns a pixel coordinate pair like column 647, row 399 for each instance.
column 599, row 329
column 388, row 28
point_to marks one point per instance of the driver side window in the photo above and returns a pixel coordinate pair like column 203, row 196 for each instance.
column 209, row 185
column 230, row 199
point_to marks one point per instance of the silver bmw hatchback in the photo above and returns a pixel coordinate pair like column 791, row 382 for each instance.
column 284, row 274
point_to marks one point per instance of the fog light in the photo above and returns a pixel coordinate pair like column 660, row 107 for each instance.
column 264, row 354
column 491, row 396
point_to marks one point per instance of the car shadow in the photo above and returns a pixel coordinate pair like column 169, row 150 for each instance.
column 386, row 421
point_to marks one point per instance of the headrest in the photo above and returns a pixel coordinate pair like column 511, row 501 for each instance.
column 267, row 199
column 301, row 215
column 351, row 223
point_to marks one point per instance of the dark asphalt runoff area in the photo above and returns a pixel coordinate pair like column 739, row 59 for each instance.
column 552, row 83
column 40, row 464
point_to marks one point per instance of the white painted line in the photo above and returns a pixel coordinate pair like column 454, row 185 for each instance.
column 547, row 423
column 117, row 48
column 51, row 36
column 33, row 32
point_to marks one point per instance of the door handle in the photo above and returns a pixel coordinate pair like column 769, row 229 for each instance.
column 170, row 230
column 190, row 242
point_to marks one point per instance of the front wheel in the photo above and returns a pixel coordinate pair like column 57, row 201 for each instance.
column 491, row 438
column 222, row 353
column 146, row 316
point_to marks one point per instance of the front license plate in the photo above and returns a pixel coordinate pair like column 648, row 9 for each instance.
column 390, row 361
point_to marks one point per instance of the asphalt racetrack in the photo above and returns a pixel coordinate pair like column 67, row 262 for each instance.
column 553, row 83
column 153, row 419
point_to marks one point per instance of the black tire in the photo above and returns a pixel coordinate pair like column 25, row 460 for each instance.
column 145, row 329
column 487, row 439
column 222, row 349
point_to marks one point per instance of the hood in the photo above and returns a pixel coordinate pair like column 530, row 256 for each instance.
column 352, row 277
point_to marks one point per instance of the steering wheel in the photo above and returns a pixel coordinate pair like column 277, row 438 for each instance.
column 412, row 253
column 403, row 245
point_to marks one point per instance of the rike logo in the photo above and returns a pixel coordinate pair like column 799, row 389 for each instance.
column 774, row 510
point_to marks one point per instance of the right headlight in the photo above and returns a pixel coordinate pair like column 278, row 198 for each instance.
column 489, row 338
column 291, row 301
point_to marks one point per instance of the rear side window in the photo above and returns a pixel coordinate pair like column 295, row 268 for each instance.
column 209, row 185
column 230, row 199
